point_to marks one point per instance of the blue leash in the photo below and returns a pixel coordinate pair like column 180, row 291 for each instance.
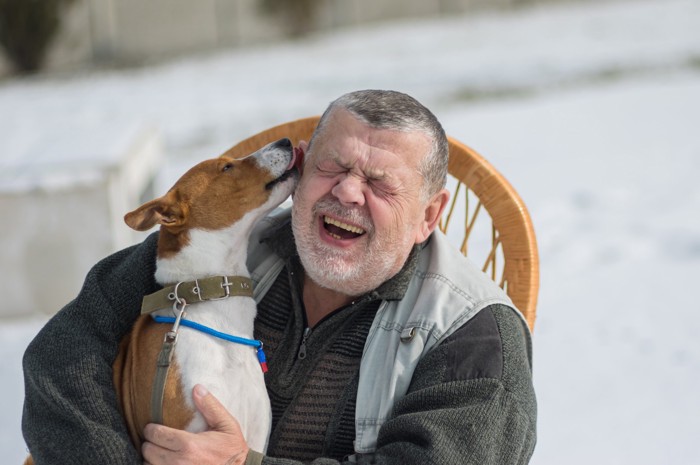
column 226, row 337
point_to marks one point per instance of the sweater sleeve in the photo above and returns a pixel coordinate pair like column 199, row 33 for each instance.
column 471, row 400
column 71, row 414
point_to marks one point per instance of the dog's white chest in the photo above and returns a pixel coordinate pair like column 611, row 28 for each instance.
column 230, row 371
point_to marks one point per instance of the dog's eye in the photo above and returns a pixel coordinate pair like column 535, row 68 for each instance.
column 227, row 167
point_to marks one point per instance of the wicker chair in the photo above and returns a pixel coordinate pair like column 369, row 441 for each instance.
column 509, row 255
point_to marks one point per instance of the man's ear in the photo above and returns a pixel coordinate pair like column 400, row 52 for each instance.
column 165, row 211
column 300, row 152
column 433, row 212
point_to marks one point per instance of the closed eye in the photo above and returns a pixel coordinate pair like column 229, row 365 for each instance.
column 329, row 168
column 383, row 189
column 335, row 172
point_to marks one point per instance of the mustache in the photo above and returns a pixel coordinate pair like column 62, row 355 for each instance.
column 353, row 215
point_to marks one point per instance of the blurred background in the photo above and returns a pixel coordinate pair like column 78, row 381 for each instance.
column 589, row 108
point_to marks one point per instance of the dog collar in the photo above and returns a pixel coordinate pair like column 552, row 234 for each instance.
column 199, row 290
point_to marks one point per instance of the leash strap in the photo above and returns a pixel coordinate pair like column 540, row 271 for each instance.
column 158, row 391
column 199, row 290
column 165, row 358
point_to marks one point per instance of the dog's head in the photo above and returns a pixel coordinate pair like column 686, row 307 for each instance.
column 217, row 193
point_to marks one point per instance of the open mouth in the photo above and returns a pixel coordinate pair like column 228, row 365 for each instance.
column 282, row 178
column 340, row 230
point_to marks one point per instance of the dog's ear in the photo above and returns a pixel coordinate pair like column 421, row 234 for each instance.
column 165, row 211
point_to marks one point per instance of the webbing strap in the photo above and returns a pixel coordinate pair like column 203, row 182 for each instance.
column 165, row 358
column 158, row 392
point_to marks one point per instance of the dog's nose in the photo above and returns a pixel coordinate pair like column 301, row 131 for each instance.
column 283, row 144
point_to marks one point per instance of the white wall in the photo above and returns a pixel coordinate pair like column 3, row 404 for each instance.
column 44, row 256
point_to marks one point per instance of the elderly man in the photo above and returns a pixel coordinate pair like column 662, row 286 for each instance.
column 384, row 344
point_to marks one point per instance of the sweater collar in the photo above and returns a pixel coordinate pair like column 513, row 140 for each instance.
column 280, row 239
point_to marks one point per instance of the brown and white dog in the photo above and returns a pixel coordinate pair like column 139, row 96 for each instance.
column 205, row 221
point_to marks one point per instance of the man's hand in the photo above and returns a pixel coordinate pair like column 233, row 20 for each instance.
column 223, row 443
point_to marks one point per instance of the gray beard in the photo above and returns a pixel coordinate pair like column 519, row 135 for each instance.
column 326, row 266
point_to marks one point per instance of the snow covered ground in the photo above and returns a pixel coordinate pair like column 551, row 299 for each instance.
column 592, row 112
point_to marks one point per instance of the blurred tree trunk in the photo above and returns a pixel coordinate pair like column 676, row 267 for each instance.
column 296, row 15
column 27, row 28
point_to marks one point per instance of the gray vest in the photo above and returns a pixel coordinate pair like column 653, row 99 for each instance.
column 446, row 291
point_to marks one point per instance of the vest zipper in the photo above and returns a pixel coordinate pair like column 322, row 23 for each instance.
column 302, row 347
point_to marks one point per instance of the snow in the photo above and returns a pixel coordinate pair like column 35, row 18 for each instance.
column 590, row 110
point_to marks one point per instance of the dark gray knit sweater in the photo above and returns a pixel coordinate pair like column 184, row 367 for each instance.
column 471, row 399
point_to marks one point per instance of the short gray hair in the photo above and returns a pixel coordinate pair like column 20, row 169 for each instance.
column 387, row 109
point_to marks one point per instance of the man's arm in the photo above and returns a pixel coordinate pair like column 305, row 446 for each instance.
column 471, row 401
column 71, row 413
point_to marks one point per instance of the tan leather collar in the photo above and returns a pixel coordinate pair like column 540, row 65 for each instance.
column 212, row 288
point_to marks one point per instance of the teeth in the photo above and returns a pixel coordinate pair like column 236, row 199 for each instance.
column 340, row 224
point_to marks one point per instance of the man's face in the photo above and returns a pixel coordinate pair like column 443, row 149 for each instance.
column 358, row 211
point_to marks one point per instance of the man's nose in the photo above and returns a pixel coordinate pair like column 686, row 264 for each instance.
column 350, row 190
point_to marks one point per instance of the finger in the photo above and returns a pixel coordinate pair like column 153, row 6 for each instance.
column 156, row 455
column 164, row 437
column 214, row 413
